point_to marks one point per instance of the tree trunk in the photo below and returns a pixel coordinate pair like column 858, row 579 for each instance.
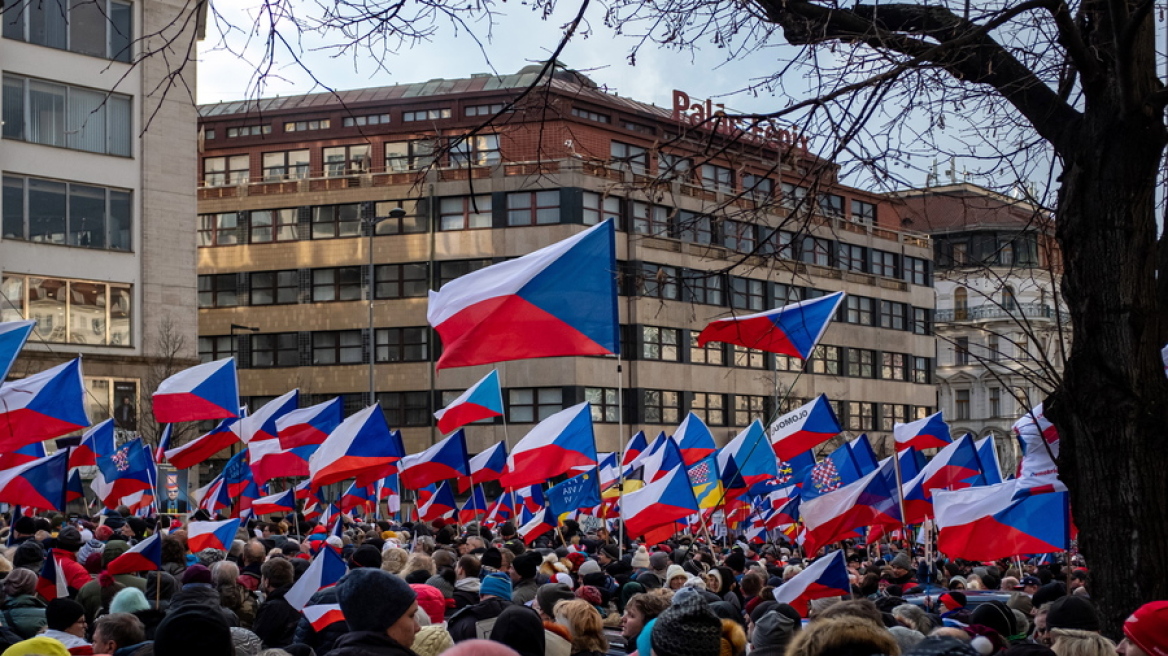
column 1111, row 409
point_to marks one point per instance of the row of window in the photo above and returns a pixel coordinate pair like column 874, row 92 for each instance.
column 995, row 349
column 70, row 311
column 56, row 212
column 999, row 403
column 987, row 249
column 54, row 114
column 101, row 28
column 320, row 348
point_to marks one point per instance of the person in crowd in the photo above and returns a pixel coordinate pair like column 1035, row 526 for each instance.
column 65, row 622
column 641, row 609
column 193, row 630
column 23, row 612
column 275, row 620
column 476, row 620
column 773, row 629
column 384, row 629
column 118, row 634
column 234, row 596
column 197, row 590
column 585, row 626
column 467, row 582
column 521, row 629
column 686, row 628
column 524, row 584
column 91, row 595
column 1145, row 632
column 1075, row 642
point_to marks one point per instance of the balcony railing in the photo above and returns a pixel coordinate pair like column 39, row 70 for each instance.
column 985, row 312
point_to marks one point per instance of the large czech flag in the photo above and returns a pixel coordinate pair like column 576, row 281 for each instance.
column 439, row 505
column 694, row 439
column 826, row 577
column 445, row 460
column 13, row 335
column 475, row 506
column 204, row 446
column 326, row 569
column 362, row 447
column 668, row 499
column 790, row 330
column 836, row 515
column 205, row 391
column 482, row 400
column 280, row 502
column 486, row 466
column 536, row 525
column 955, row 467
column 97, row 440
column 989, row 523
column 24, row 454
column 929, row 433
column 42, row 406
column 146, row 556
column 212, row 496
column 556, row 445
column 211, row 535
column 37, row 484
column 269, row 459
column 560, row 300
column 748, row 459
column 987, row 453
column 804, row 428
column 262, row 424
column 310, row 425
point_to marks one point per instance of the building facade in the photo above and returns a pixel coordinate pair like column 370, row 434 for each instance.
column 1002, row 333
column 98, row 151
column 711, row 222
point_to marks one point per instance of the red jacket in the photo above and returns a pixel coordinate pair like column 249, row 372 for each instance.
column 75, row 573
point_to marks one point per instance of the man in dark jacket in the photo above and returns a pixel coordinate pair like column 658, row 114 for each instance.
column 275, row 622
column 385, row 628
column 476, row 620
column 197, row 591
column 466, row 582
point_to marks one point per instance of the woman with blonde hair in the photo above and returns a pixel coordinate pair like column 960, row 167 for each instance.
column 419, row 561
column 584, row 624
column 1073, row 642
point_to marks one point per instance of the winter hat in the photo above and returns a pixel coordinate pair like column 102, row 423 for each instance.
column 193, row 631
column 89, row 548
column 640, row 558
column 129, row 600
column 549, row 594
column 69, row 539
column 902, row 561
column 659, row 560
column 40, row 646
column 527, row 564
column 30, row 555
column 1048, row 593
column 196, row 574
column 210, row 556
column 736, row 561
column 431, row 600
column 496, row 584
column 576, row 559
column 492, row 557
column 357, row 587
column 687, row 628
column 393, row 560
column 1148, row 628
column 366, row 555
column 24, row 525
column 994, row 615
column 62, row 613
column 443, row 586
column 432, row 640
column 20, row 581
column 940, row 646
column 674, row 570
column 905, row 637
column 103, row 533
column 1020, row 601
column 590, row 594
column 521, row 629
column 775, row 628
column 1073, row 613
column 589, row 567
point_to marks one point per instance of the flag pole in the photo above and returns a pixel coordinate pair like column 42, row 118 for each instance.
column 620, row 463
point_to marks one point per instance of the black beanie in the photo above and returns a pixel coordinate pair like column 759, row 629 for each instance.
column 366, row 555
column 736, row 561
column 1048, row 593
column 194, row 631
column 492, row 557
column 527, row 564
column 995, row 615
column 521, row 629
column 1073, row 612
column 941, row 646
column 688, row 628
column 355, row 590
column 24, row 525
column 62, row 613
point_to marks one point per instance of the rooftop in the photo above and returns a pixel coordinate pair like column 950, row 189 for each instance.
column 963, row 206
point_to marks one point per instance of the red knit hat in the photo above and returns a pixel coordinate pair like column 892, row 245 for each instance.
column 1148, row 628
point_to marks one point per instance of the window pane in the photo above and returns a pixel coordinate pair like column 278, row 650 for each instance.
column 121, row 126
column 87, row 25
column 46, row 104
column 46, row 22
column 121, row 31
column 87, row 216
column 86, row 126
column 87, row 313
column 46, row 220
column 13, row 112
column 120, row 220
column 13, row 202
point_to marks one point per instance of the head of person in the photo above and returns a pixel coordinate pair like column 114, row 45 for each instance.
column 1074, row 642
column 67, row 616
column 392, row 616
column 584, row 623
column 639, row 611
column 1073, row 612
column 193, row 631
column 548, row 595
column 468, row 567
column 521, row 629
column 686, row 628
column 775, row 627
column 116, row 630
column 525, row 565
column 275, row 574
column 224, row 572
column 843, row 636
column 495, row 584
column 1145, row 632
column 675, row 577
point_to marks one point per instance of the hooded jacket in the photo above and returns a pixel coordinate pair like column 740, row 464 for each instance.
column 462, row 625
column 204, row 596
column 368, row 643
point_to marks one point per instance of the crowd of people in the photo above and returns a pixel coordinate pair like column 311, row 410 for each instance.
column 426, row 589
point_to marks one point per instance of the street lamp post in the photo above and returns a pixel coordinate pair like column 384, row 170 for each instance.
column 371, row 222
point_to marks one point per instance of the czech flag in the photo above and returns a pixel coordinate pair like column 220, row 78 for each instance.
column 929, row 433
column 786, row 502
column 205, row 391
column 556, row 445
column 694, row 439
column 954, row 467
column 310, row 425
column 203, row 447
column 661, row 458
column 863, row 454
column 501, row 510
column 482, row 400
column 748, row 459
column 664, row 501
column 836, row 515
column 475, row 506
column 635, row 448
column 51, row 584
column 269, row 459
column 530, row 497
column 74, row 489
column 163, row 443
column 326, row 569
column 262, row 424
column 439, row 505
column 281, row 502
column 989, row 523
column 212, row 496
column 486, row 466
column 560, row 300
column 13, row 335
column 42, row 406
column 97, row 440
column 362, row 447
column 539, row 523
column 321, row 616
column 987, row 454
column 211, row 535
column 826, row 577
column 24, row 454
column 804, row 428
column 37, row 484
column 146, row 556
column 442, row 461
column 790, row 330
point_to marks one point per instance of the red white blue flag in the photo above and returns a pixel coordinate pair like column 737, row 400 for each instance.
column 42, row 406
column 790, row 330
column 362, row 447
column 992, row 522
column 262, row 424
column 560, row 300
column 694, row 439
column 311, row 425
column 269, row 459
column 486, row 466
column 280, row 502
column 203, row 447
column 13, row 335
column 37, row 484
column 443, row 461
column 326, row 569
column 205, row 391
column 556, row 445
column 211, row 535
column 826, row 577
column 804, row 428
column 929, row 433
column 668, row 499
column 146, row 556
column 482, row 400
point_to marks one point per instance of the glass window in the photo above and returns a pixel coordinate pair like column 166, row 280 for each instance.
column 785, row 294
column 66, row 213
column 215, row 348
column 892, row 315
column 402, row 344
column 275, row 350
column 275, row 287
column 330, row 221
column 218, row 290
column 527, row 405
column 533, row 208
column 712, row 353
column 892, row 414
column 864, row 212
column 892, row 366
column 710, row 407
column 361, row 121
column 921, row 370
column 71, row 117
column 70, row 311
column 336, row 347
column 658, row 281
column 650, row 219
column 14, row 209
column 883, row 263
column 861, row 363
column 662, row 406
column 748, row 358
column 832, row 205
column 629, row 157
column 305, row 126
column 219, row 229
column 961, row 404
column 597, row 207
column 266, row 226
column 465, row 213
column 410, row 155
column 758, row 187
column 695, row 228
column 673, row 167
column 604, row 403
column 286, row 165
column 747, row 294
column 590, row 115
column 99, row 28
column 339, row 284
column 861, row 416
column 451, row 269
column 222, row 171
column 961, row 351
column 660, row 343
column 406, row 408
column 413, row 222
column 739, row 236
column 703, row 287
column 717, row 178
column 484, row 110
column 476, row 150
column 826, row 360
column 858, row 310
column 346, row 160
column 426, row 115
column 851, row 257
column 48, row 211
column 794, row 197
column 815, row 251
column 401, row 280
column 916, row 270
column 749, row 408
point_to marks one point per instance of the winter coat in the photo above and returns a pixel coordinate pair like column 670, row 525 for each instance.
column 321, row 642
column 24, row 614
column 462, row 625
column 203, row 596
column 241, row 601
column 523, row 592
column 76, row 576
column 368, row 643
column 275, row 622
column 89, row 596
column 466, row 593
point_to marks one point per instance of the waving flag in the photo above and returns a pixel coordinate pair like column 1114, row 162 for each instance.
column 362, row 447
column 1035, row 423
column 203, row 447
column 863, row 455
column 635, row 448
column 486, row 466
column 24, row 454
column 205, row 391
column 128, row 469
column 578, row 492
column 786, row 502
column 662, row 458
column 482, row 400
column 211, row 535
column 326, row 569
column 212, row 496
column 42, row 406
column 989, row 523
column 954, row 467
column 13, row 335
column 748, row 459
column 280, row 502
column 97, row 440
column 163, row 443
column 442, row 461
column 790, row 330
column 501, row 510
column 826, row 577
column 74, row 489
column 664, row 501
column 835, row 515
column 269, row 459
column 694, row 439
column 539, row 523
column 987, row 454
column 263, row 423
column 36, row 484
column 794, row 470
column 439, row 505
column 559, row 300
column 311, row 425
column 146, row 556
column 703, row 477
column 475, row 506
column 530, row 497
column 358, row 497
column 804, row 428
column 556, row 445
column 321, row 616
column 832, row 473
column 51, row 584
column 929, row 433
